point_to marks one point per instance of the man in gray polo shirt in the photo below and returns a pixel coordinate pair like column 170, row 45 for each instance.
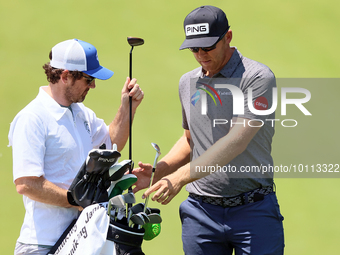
column 228, row 128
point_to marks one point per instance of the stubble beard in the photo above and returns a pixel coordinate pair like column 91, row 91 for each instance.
column 72, row 96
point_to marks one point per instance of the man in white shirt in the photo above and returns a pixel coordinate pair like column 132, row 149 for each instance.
column 51, row 138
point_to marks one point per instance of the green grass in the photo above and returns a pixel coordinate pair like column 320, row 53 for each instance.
column 296, row 39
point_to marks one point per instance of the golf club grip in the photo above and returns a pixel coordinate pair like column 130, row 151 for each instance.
column 130, row 64
column 130, row 132
column 151, row 179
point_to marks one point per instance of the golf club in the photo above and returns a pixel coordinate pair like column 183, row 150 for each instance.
column 120, row 214
column 129, row 198
column 133, row 41
column 117, row 202
column 145, row 218
column 154, row 218
column 152, row 210
column 117, row 187
column 118, row 170
column 137, row 219
column 158, row 152
column 135, row 209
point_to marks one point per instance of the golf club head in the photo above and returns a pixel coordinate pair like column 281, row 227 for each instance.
column 99, row 161
column 117, row 201
column 152, row 210
column 120, row 214
column 158, row 150
column 137, row 219
column 151, row 231
column 117, row 187
column 135, row 41
column 145, row 217
column 118, row 170
column 155, row 218
column 137, row 208
column 129, row 198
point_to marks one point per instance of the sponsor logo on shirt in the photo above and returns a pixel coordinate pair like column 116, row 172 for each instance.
column 87, row 127
column 261, row 103
column 197, row 95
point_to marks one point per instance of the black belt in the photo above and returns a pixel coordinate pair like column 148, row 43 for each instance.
column 242, row 199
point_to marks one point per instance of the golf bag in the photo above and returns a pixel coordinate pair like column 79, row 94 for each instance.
column 95, row 232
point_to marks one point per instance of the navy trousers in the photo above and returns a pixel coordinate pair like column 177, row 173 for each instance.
column 254, row 228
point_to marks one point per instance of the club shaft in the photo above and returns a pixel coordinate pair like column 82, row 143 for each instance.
column 151, row 180
column 130, row 69
column 130, row 128
column 109, row 209
column 130, row 113
column 130, row 135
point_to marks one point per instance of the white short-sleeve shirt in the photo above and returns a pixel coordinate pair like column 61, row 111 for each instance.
column 48, row 140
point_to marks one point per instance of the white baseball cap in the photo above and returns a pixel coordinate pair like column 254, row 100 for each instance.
column 77, row 55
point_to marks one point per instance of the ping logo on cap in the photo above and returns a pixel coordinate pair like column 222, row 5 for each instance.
column 197, row 29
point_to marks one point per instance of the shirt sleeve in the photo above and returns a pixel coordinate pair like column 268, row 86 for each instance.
column 184, row 92
column 258, row 89
column 27, row 138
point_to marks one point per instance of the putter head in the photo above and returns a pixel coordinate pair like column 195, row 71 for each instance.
column 135, row 41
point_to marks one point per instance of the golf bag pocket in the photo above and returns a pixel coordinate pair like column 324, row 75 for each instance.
column 126, row 240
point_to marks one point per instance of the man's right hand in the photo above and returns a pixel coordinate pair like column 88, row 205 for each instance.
column 143, row 174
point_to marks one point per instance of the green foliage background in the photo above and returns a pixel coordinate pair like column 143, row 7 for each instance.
column 296, row 39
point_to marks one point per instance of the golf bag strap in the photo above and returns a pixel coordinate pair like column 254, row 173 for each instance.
column 121, row 234
column 62, row 237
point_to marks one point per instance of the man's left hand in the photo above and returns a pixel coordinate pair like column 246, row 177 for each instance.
column 132, row 89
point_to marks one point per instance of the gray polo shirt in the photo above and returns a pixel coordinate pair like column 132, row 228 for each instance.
column 207, row 110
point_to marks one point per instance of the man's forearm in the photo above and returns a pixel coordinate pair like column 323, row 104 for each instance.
column 119, row 127
column 178, row 156
column 42, row 190
column 221, row 153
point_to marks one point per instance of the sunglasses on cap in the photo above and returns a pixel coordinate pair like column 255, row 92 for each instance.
column 89, row 79
column 206, row 49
